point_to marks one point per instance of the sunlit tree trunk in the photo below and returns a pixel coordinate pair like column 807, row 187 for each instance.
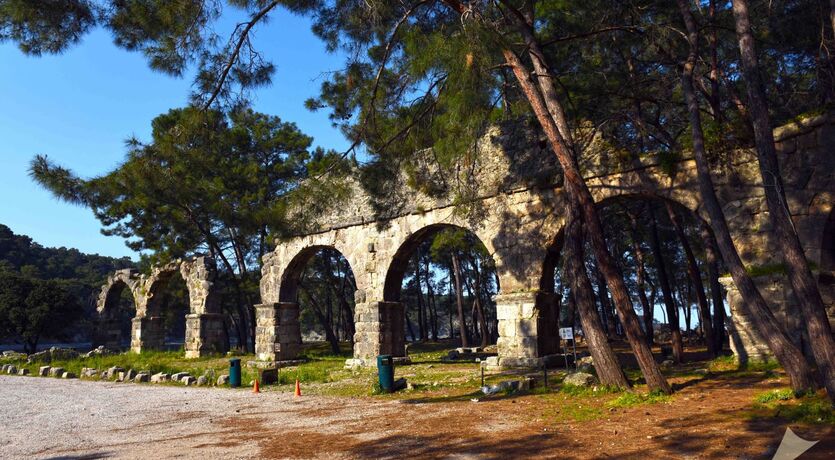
column 752, row 305
column 800, row 276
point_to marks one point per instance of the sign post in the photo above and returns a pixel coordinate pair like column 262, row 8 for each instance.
column 567, row 333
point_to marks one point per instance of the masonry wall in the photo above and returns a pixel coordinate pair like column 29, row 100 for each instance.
column 518, row 214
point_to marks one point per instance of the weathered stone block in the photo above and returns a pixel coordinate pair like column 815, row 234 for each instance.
column 56, row 371
column 23, row 371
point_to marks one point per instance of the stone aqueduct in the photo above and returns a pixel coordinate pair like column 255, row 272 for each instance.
column 520, row 209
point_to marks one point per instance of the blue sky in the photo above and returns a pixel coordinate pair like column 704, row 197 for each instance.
column 80, row 106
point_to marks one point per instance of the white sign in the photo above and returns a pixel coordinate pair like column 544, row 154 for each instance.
column 567, row 333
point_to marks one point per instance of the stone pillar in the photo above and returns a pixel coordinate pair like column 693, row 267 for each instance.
column 528, row 328
column 147, row 333
column 380, row 330
column 746, row 343
column 205, row 334
column 107, row 332
column 278, row 334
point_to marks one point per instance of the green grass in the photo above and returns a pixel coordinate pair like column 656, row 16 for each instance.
column 783, row 394
column 631, row 399
column 783, row 404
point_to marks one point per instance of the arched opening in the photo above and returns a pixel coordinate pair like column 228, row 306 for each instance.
column 320, row 283
column 114, row 327
column 670, row 265
column 446, row 279
column 168, row 305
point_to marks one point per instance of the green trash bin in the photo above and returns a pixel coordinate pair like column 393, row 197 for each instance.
column 235, row 372
column 385, row 371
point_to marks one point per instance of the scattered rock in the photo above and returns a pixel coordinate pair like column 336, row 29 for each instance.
column 580, row 379
column 89, row 373
column 11, row 354
column 53, row 353
column 120, row 377
column 453, row 354
column 202, row 381
column 68, row 375
column 142, row 377
column 188, row 380
column 43, row 371
column 179, row 376
column 56, row 371
column 114, row 372
column 23, row 371
column 268, row 376
column 223, row 380
column 99, row 351
column 160, row 378
column 130, row 375
column 11, row 369
column 667, row 363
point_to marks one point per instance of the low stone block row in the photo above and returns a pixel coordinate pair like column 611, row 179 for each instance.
column 121, row 375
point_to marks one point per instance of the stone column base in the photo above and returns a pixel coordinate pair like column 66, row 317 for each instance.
column 379, row 330
column 107, row 332
column 528, row 328
column 205, row 335
column 147, row 334
column 277, row 331
column 746, row 343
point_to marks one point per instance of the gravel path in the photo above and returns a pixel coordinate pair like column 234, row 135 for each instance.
column 52, row 418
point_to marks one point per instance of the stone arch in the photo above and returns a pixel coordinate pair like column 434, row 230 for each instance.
column 399, row 261
column 278, row 331
column 205, row 331
column 108, row 330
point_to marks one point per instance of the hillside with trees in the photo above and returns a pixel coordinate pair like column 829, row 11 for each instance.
column 48, row 293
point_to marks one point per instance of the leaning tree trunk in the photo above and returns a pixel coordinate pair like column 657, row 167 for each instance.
column 802, row 281
column 667, row 292
column 551, row 117
column 696, row 279
column 605, row 361
column 753, row 305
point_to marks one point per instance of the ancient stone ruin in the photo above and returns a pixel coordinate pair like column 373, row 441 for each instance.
column 205, row 332
column 518, row 213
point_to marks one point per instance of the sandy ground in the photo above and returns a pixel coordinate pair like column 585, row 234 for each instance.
column 52, row 418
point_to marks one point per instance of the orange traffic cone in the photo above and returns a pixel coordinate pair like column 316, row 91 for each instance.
column 255, row 388
column 298, row 388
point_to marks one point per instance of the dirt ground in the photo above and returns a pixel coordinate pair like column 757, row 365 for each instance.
column 706, row 418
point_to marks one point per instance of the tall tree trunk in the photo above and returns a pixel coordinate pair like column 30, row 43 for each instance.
column 605, row 305
column 605, row 361
column 459, row 299
column 419, row 294
column 450, row 296
column 666, row 290
column 485, row 334
column 541, row 99
column 640, row 278
column 802, row 281
column 712, row 259
column 410, row 328
column 753, row 305
column 433, row 307
column 715, row 101
column 696, row 280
